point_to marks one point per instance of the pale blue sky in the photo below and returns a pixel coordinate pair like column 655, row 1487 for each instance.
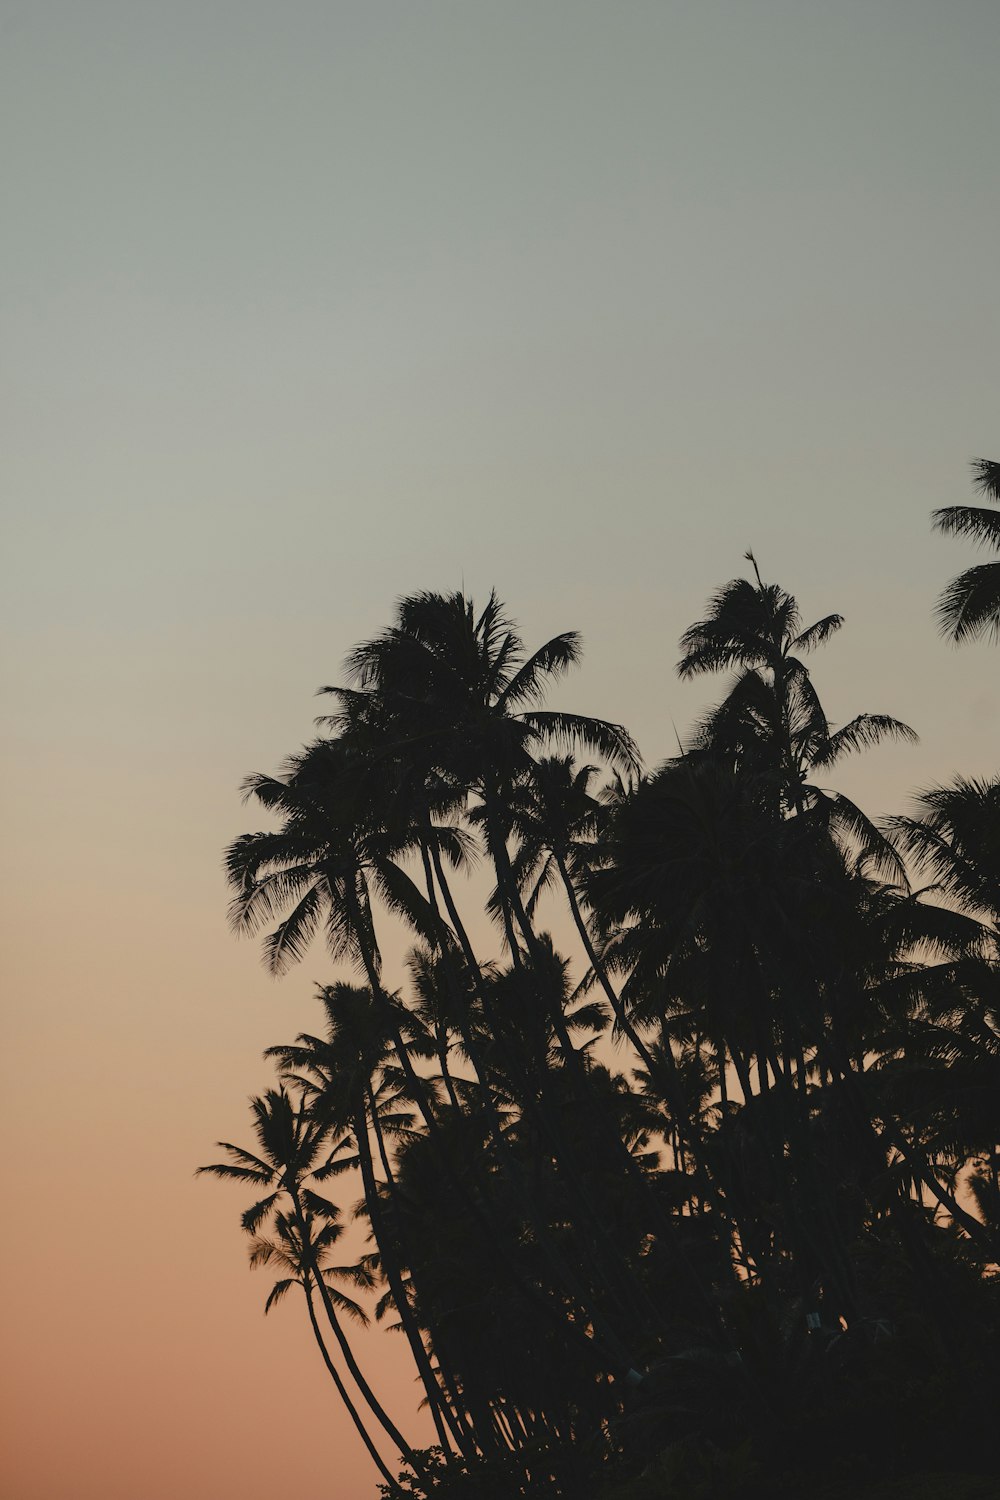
column 306, row 305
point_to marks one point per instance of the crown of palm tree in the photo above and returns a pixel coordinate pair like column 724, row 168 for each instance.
column 290, row 1143
column 333, row 847
column 955, row 837
column 458, row 693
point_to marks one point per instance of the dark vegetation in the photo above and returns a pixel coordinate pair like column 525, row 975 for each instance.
column 714, row 1212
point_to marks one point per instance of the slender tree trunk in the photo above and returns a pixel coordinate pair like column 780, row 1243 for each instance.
column 448, row 1380
column 650, row 1062
column 344, row 1394
column 565, row 1277
column 619, row 1151
column 391, row 1269
column 377, row 1410
column 365, row 946
column 442, row 1038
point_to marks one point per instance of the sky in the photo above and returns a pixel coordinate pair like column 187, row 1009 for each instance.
column 310, row 305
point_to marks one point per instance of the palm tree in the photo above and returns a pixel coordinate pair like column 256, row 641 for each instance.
column 970, row 605
column 524, row 1237
column 457, row 693
column 339, row 1075
column 772, row 723
column 955, row 839
column 452, row 691
column 556, row 820
column 333, row 849
column 305, row 1226
column 719, row 913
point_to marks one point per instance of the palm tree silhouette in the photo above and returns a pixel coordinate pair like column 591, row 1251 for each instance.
column 970, row 605
column 340, row 1078
column 771, row 722
column 305, row 1225
column 457, row 687
column 800, row 1158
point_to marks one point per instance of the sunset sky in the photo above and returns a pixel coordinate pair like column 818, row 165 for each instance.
column 307, row 305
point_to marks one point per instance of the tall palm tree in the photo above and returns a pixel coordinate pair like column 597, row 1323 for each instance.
column 453, row 691
column 970, row 605
column 289, row 1147
column 333, row 850
column 556, row 820
column 457, row 692
column 716, row 908
column 339, row 1075
column 771, row 722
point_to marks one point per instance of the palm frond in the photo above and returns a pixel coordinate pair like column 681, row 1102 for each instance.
column 612, row 741
column 254, row 1216
column 290, row 939
column 818, row 634
column 871, row 842
column 237, row 1173
column 401, row 896
column 548, row 662
column 862, row 733
column 278, row 1291
column 970, row 521
column 343, row 1303
column 970, row 605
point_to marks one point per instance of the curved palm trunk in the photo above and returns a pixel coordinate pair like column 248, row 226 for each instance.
column 564, row 1275
column 387, row 1254
column 454, row 1409
column 377, row 1410
column 442, row 1039
column 362, row 929
column 601, row 973
column 619, row 1151
column 673, row 1092
column 344, row 1394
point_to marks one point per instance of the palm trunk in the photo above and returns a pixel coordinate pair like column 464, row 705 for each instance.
column 614, row 1282
column 448, row 1381
column 649, row 1061
column 619, row 1151
column 432, row 901
column 366, row 946
column 564, row 1275
column 387, row 1252
column 377, row 1410
column 342, row 1391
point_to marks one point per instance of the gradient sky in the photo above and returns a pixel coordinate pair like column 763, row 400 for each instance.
column 310, row 304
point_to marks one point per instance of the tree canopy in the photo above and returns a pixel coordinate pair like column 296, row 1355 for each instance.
column 695, row 1174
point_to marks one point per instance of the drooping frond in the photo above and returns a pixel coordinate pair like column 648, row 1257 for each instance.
column 986, row 477
column 290, row 939
column 404, row 899
column 254, row 1216
column 278, row 1291
column 818, row 634
column 862, row 733
column 262, row 900
column 612, row 741
column 970, row 605
column 321, row 1207
column 548, row 662
column 970, row 521
column 257, row 1176
column 870, row 842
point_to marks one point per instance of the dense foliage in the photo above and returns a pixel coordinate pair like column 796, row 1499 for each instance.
column 715, row 1206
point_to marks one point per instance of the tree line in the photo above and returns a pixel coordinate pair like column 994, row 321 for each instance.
column 709, row 1207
